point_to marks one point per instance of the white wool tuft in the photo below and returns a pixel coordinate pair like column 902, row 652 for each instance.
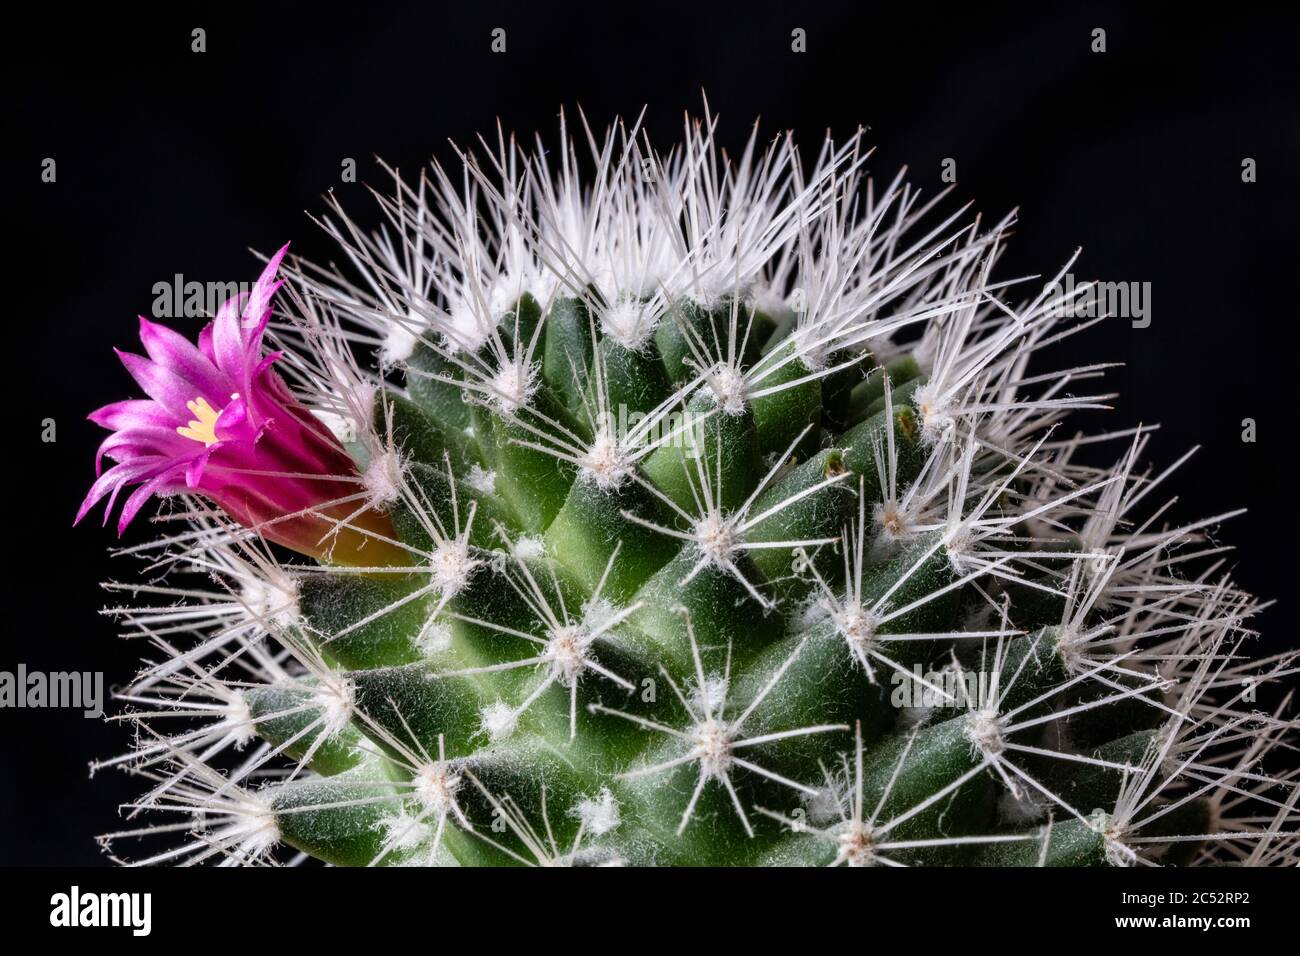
column 600, row 815
column 499, row 720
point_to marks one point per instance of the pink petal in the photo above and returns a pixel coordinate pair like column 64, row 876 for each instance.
column 195, row 468
column 142, row 494
column 172, row 350
column 133, row 443
column 259, row 300
column 205, row 341
column 228, row 343
column 132, row 413
column 112, row 480
column 161, row 384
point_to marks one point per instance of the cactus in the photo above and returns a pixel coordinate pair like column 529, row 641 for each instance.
column 686, row 512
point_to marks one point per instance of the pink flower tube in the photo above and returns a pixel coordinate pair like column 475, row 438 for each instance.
column 220, row 422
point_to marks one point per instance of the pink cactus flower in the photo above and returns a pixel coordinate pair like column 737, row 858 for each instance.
column 220, row 422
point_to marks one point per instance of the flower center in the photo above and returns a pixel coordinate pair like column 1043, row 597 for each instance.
column 203, row 427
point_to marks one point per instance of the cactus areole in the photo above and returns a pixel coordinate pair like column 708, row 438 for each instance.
column 657, row 508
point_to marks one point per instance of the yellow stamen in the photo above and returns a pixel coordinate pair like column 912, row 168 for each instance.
column 203, row 428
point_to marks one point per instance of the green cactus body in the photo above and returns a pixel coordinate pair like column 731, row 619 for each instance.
column 690, row 586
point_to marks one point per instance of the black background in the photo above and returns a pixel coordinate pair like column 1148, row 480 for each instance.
column 174, row 162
